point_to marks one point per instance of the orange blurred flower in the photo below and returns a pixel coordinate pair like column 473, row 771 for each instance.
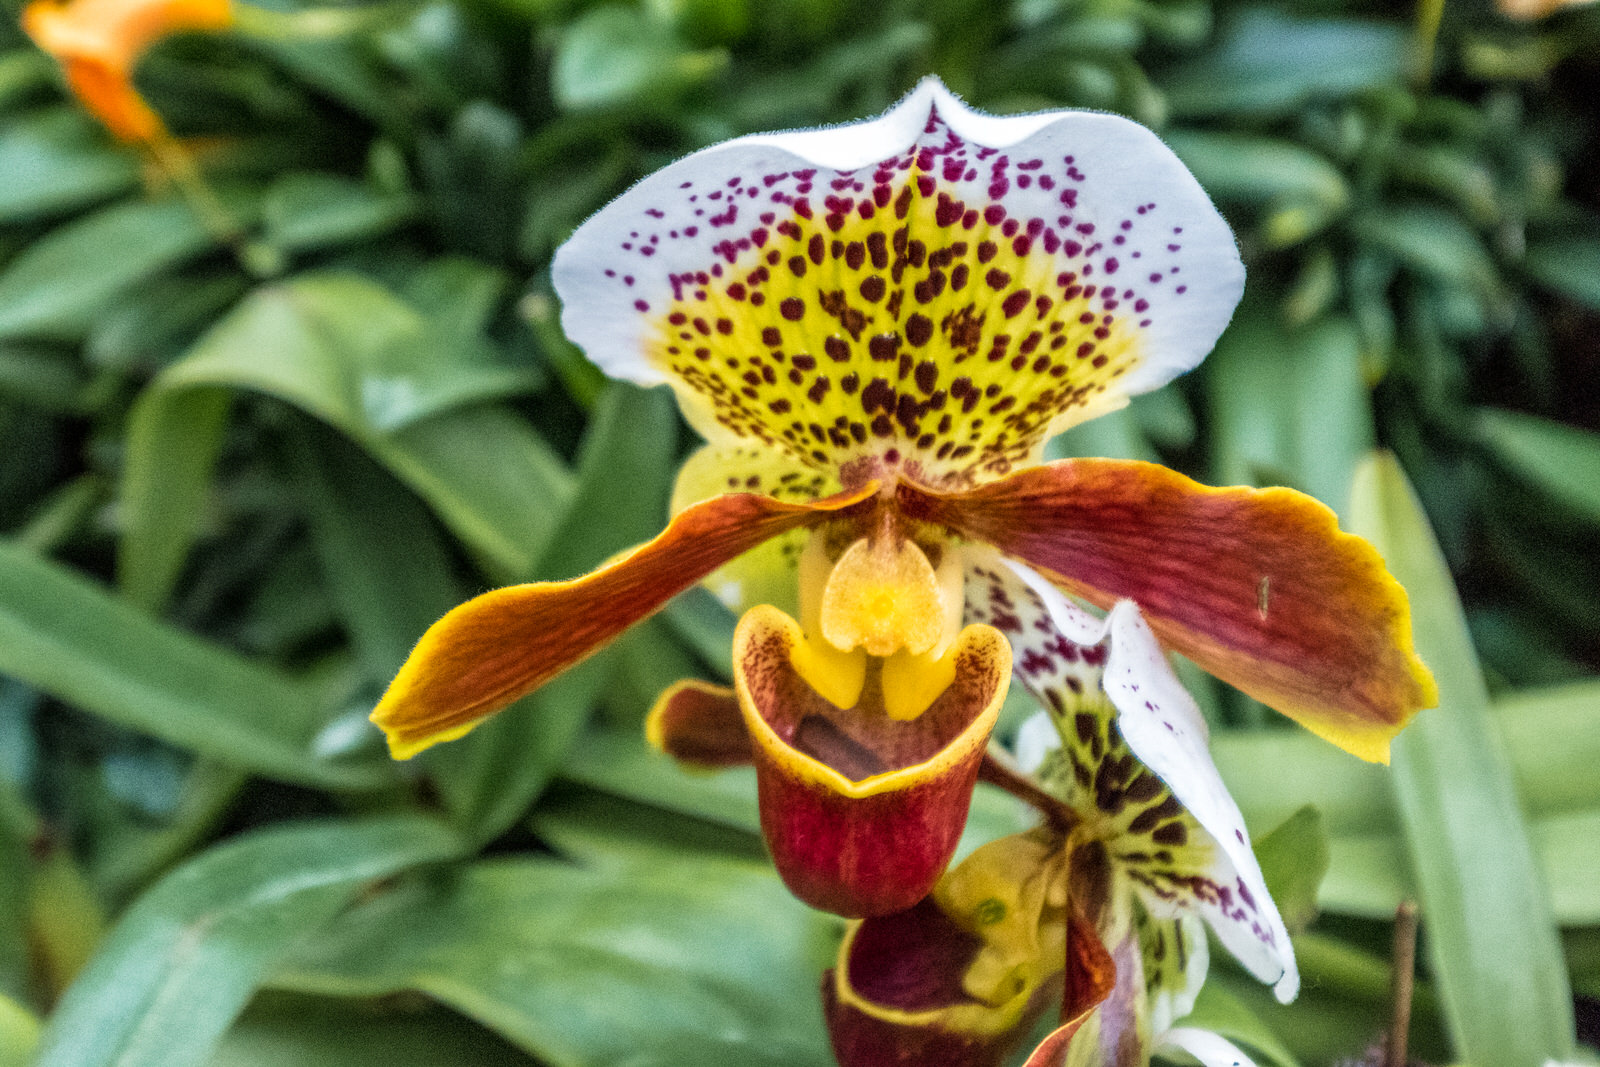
column 99, row 42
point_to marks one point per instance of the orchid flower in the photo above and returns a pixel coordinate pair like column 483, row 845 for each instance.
column 1100, row 910
column 876, row 327
column 99, row 43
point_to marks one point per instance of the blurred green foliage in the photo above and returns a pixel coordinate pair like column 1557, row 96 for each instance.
column 235, row 488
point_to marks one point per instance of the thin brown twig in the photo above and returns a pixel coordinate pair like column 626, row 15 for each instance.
column 996, row 771
column 1404, row 964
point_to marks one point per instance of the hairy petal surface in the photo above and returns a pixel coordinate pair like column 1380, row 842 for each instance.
column 1131, row 757
column 1258, row 586
column 502, row 645
column 935, row 288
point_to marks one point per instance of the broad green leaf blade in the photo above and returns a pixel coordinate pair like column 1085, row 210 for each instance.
column 1568, row 264
column 19, row 1033
column 1239, row 167
column 57, row 160
column 1294, row 859
column 1369, row 876
column 65, row 636
column 1353, row 796
column 279, row 1029
column 61, row 280
column 312, row 211
column 1561, row 461
column 1491, row 937
column 18, row 829
column 1270, row 62
column 349, row 352
column 665, row 959
column 184, row 959
column 387, row 568
column 173, row 440
column 1554, row 777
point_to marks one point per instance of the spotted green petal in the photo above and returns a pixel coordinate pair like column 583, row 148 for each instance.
column 1131, row 758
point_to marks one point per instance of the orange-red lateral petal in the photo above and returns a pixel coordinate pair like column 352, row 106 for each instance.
column 502, row 645
column 1258, row 586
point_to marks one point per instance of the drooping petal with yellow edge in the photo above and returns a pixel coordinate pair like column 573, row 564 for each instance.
column 502, row 645
column 699, row 724
column 958, row 979
column 936, row 289
column 767, row 574
column 1258, row 586
column 99, row 43
column 862, row 811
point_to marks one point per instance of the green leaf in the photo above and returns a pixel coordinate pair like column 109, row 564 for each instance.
column 386, row 566
column 18, row 833
column 280, row 1028
column 19, row 1033
column 351, row 353
column 1234, row 166
column 616, row 55
column 1491, row 937
column 59, row 282
column 1294, row 859
column 1272, row 62
column 628, row 961
column 186, row 956
column 58, row 160
column 1553, row 736
column 312, row 211
column 1368, row 874
column 67, row 637
column 1433, row 241
column 1569, row 265
column 1561, row 461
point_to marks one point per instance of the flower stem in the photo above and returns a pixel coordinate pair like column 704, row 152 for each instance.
column 1405, row 959
column 996, row 771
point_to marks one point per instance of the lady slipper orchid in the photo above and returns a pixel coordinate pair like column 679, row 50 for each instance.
column 1100, row 910
column 876, row 327
column 99, row 42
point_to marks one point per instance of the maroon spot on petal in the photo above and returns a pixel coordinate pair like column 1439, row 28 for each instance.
column 919, row 329
column 792, row 308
